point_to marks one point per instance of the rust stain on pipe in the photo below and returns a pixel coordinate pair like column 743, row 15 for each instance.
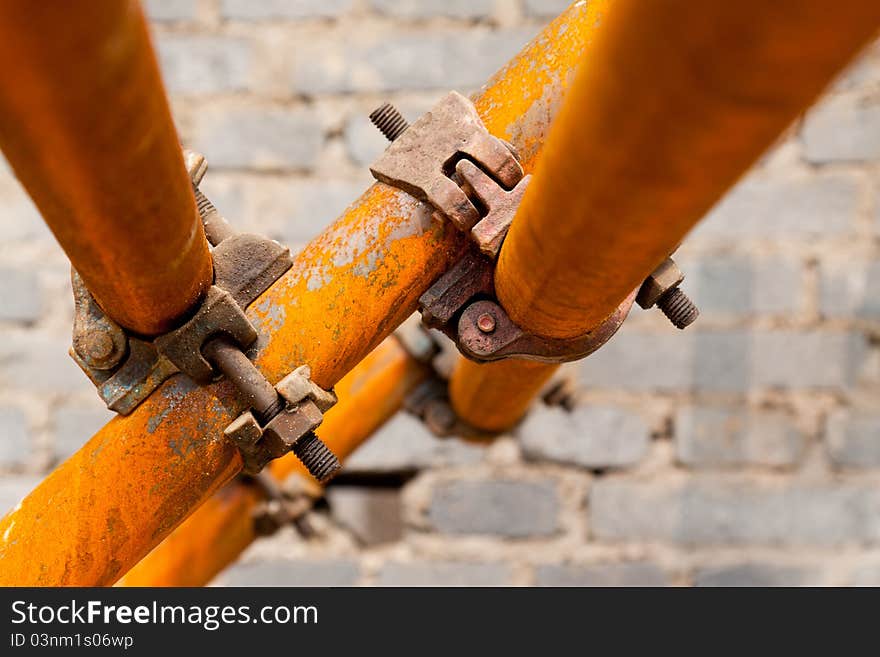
column 673, row 102
column 85, row 124
column 107, row 506
column 218, row 532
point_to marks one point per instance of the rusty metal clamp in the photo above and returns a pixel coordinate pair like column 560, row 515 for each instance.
column 448, row 159
column 127, row 369
column 289, row 428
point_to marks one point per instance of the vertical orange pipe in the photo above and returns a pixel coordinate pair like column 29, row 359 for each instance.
column 219, row 531
column 86, row 126
column 673, row 102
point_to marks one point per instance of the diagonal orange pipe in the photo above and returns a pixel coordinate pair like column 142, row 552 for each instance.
column 85, row 124
column 219, row 531
column 107, row 506
column 673, row 102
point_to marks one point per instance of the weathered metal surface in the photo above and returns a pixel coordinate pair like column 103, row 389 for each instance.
column 369, row 395
column 85, row 125
column 218, row 313
column 271, row 429
column 499, row 204
column 372, row 264
column 422, row 157
column 652, row 132
column 665, row 277
column 486, row 333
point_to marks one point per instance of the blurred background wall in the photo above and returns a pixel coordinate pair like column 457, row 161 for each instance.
column 745, row 450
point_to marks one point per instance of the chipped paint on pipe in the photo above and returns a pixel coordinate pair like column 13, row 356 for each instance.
column 143, row 474
column 85, row 125
column 219, row 531
column 653, row 131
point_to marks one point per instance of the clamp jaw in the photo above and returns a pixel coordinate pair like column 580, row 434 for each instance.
column 126, row 369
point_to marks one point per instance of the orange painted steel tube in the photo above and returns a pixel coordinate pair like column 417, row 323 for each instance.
column 85, row 124
column 219, row 531
column 106, row 507
column 673, row 102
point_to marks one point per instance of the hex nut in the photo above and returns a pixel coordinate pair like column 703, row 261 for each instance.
column 666, row 277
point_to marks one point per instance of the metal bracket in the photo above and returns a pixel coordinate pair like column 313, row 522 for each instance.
column 127, row 369
column 291, row 429
column 450, row 160
column 462, row 305
column 422, row 159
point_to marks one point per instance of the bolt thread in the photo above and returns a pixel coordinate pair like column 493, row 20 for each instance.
column 678, row 307
column 389, row 120
column 321, row 463
column 205, row 207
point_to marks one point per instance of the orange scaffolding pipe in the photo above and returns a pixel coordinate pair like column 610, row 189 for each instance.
column 107, row 506
column 86, row 126
column 674, row 101
column 219, row 531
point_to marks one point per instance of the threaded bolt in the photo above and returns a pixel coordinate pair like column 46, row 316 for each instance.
column 321, row 463
column 678, row 307
column 389, row 120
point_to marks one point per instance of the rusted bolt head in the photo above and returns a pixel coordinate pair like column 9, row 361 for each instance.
column 98, row 348
column 99, row 345
column 486, row 323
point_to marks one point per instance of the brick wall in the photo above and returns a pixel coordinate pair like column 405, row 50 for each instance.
column 745, row 450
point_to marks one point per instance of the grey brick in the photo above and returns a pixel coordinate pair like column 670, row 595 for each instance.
column 444, row 573
column 21, row 297
column 706, row 436
column 637, row 360
column 799, row 207
column 317, row 205
column 259, row 138
column 758, row 574
column 592, row 437
column 404, row 445
column 452, row 59
column 546, row 8
column 725, row 360
column 721, row 360
column 364, row 142
column 853, row 438
column 432, row 8
column 282, row 9
column 732, row 285
column 850, row 288
column 374, row 515
column 502, row 507
column 704, row 511
column 806, row 359
column 287, row 572
column 843, row 128
column 607, row 574
column 14, row 488
column 15, row 443
column 37, row 362
column 171, row 10
column 205, row 64
column 75, row 425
